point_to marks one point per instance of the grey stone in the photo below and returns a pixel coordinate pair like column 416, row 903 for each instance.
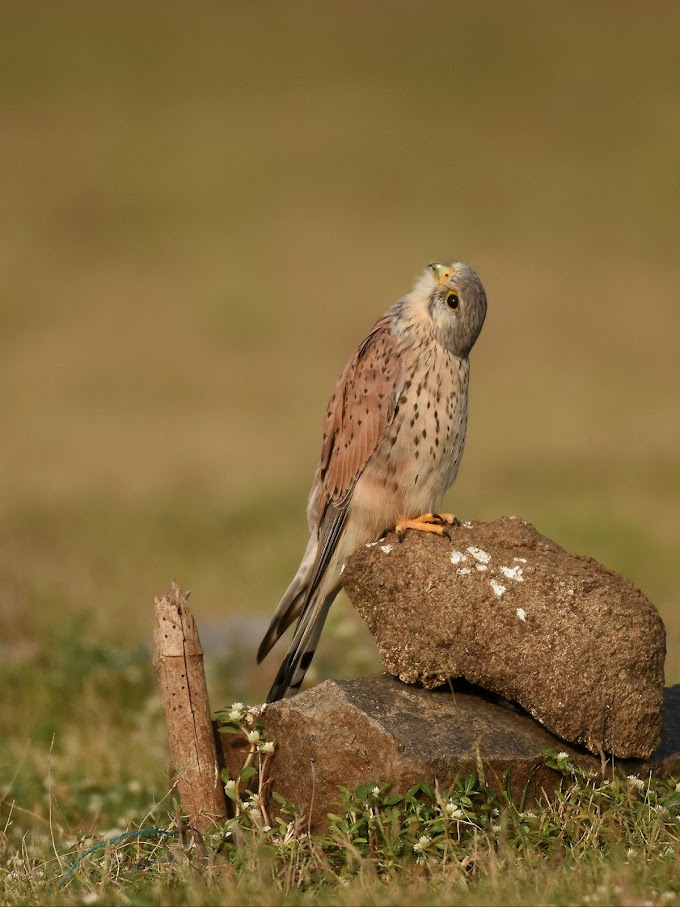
column 576, row 645
column 379, row 730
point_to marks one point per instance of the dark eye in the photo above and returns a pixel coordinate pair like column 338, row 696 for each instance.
column 452, row 300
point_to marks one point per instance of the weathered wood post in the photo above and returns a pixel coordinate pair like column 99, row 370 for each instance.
column 178, row 660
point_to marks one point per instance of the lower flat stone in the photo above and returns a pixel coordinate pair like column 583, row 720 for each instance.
column 377, row 729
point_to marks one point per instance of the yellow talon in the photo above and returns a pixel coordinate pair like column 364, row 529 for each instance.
column 427, row 522
column 448, row 518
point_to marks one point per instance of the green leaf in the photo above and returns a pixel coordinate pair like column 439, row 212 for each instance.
column 470, row 782
column 246, row 773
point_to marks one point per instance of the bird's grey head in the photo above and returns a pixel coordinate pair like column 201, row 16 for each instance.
column 453, row 298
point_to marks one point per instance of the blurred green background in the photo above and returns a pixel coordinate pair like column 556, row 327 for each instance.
column 203, row 210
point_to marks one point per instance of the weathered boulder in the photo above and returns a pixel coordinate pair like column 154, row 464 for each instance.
column 500, row 605
column 377, row 729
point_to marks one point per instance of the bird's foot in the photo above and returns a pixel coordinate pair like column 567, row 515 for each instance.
column 427, row 522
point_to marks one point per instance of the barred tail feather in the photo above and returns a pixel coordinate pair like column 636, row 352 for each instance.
column 301, row 652
column 313, row 607
column 291, row 605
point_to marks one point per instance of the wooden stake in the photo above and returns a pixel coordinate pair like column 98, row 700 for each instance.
column 178, row 660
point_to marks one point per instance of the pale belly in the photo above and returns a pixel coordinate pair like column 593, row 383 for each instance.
column 418, row 459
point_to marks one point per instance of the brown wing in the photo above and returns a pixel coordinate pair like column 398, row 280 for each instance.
column 359, row 412
column 360, row 409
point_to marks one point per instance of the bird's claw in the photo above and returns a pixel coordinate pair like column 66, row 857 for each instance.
column 427, row 522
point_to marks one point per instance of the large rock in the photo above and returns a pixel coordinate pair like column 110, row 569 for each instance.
column 379, row 730
column 500, row 605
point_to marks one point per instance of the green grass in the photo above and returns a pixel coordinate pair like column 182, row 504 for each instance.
column 203, row 211
column 599, row 841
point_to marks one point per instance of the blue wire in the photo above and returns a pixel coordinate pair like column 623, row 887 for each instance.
column 143, row 833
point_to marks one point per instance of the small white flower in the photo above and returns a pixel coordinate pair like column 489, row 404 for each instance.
column 90, row 898
column 254, row 812
column 253, row 736
column 267, row 747
column 636, row 782
column 455, row 812
column 497, row 828
column 266, row 828
column 562, row 757
column 237, row 706
column 422, row 843
column 230, row 786
column 376, row 791
column 234, row 715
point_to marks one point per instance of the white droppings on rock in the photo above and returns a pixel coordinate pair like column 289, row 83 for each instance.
column 467, row 524
column 513, row 573
column 520, row 560
column 522, row 614
column 458, row 557
column 481, row 567
column 482, row 556
column 342, row 569
column 463, row 571
column 497, row 587
column 386, row 548
column 370, row 544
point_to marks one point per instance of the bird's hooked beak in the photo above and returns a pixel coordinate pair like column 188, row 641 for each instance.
column 441, row 272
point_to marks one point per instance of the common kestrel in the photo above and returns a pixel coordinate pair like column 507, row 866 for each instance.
column 392, row 444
